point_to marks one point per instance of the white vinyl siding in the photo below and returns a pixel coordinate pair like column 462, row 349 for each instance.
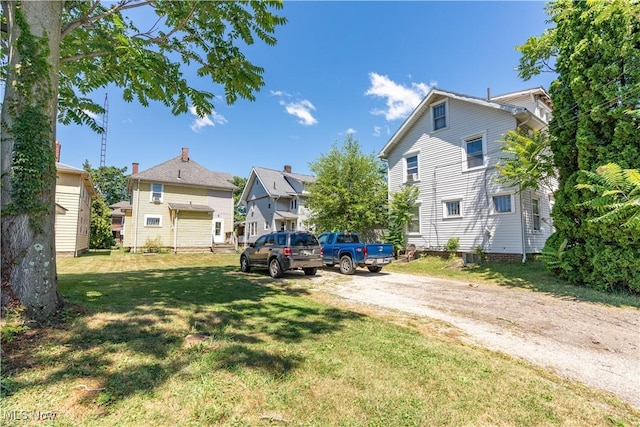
column 444, row 177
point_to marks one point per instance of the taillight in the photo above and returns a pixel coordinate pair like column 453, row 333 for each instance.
column 287, row 251
column 365, row 252
column 321, row 251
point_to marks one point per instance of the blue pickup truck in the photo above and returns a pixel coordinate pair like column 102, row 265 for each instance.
column 346, row 250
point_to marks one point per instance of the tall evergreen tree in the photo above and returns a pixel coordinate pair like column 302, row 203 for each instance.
column 594, row 48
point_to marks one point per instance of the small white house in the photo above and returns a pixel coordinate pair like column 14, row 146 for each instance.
column 448, row 147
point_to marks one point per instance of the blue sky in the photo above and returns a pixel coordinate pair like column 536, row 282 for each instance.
column 338, row 68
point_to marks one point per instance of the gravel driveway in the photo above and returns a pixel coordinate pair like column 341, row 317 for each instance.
column 596, row 344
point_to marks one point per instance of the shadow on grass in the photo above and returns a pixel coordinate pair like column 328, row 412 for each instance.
column 133, row 337
column 533, row 275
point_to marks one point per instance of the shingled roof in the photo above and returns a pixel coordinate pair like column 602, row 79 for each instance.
column 277, row 183
column 182, row 170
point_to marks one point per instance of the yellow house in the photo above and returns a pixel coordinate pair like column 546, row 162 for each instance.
column 179, row 205
column 74, row 191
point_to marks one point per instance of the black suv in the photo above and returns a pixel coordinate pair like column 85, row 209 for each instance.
column 282, row 251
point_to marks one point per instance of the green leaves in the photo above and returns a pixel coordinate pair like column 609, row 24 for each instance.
column 617, row 195
column 530, row 164
column 350, row 192
column 102, row 45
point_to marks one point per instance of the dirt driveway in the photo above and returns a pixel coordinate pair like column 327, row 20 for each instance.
column 596, row 344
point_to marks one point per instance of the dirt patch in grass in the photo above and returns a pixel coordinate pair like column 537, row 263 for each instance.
column 596, row 344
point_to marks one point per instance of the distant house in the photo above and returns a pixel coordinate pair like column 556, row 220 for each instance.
column 117, row 219
column 179, row 205
column 74, row 191
column 448, row 147
column 274, row 201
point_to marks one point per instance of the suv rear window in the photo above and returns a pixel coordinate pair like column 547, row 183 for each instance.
column 304, row 240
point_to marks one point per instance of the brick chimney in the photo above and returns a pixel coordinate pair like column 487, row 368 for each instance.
column 134, row 168
column 287, row 168
column 185, row 154
column 58, row 148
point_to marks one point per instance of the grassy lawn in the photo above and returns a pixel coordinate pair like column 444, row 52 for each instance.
column 270, row 352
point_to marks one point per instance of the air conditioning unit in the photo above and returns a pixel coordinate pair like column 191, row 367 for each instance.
column 412, row 177
column 157, row 199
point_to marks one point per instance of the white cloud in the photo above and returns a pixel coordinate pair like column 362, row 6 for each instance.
column 93, row 115
column 376, row 130
column 202, row 122
column 302, row 110
column 279, row 93
column 350, row 131
column 400, row 99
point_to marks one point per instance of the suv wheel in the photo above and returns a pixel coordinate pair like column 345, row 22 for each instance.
column 275, row 269
column 310, row 271
column 346, row 265
column 244, row 264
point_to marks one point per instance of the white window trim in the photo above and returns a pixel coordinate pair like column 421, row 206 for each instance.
column 533, row 215
column 417, row 233
column 151, row 191
column 405, row 169
column 493, row 206
column 463, row 145
column 445, row 212
column 446, row 116
column 149, row 216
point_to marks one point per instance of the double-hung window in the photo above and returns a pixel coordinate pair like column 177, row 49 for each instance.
column 474, row 152
column 535, row 210
column 439, row 116
column 156, row 192
column 412, row 168
column 414, row 225
column 502, row 204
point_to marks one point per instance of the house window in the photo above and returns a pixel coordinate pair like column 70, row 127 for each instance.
column 474, row 152
column 411, row 165
column 156, row 192
column 502, row 204
column 253, row 228
column 294, row 204
column 439, row 116
column 153, row 220
column 535, row 209
column 414, row 226
column 451, row 209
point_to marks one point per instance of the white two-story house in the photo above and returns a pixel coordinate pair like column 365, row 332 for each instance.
column 448, row 147
column 274, row 201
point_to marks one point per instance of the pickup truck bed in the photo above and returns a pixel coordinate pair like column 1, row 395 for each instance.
column 346, row 250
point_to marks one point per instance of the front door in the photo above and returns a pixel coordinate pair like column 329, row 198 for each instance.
column 218, row 230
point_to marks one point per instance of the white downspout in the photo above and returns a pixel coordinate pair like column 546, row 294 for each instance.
column 135, row 223
column 522, row 227
column 175, row 233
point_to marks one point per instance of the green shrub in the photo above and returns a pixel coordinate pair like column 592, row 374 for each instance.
column 453, row 244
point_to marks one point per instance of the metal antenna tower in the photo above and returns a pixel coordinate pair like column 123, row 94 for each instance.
column 105, row 120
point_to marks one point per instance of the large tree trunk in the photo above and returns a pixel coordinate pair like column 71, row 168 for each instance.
column 28, row 247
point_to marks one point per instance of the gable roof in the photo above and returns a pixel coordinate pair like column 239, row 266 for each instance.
column 276, row 183
column 541, row 91
column 437, row 94
column 84, row 175
column 177, row 171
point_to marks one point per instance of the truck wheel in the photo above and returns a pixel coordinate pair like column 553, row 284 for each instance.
column 310, row 271
column 346, row 265
column 374, row 269
column 275, row 269
column 244, row 264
